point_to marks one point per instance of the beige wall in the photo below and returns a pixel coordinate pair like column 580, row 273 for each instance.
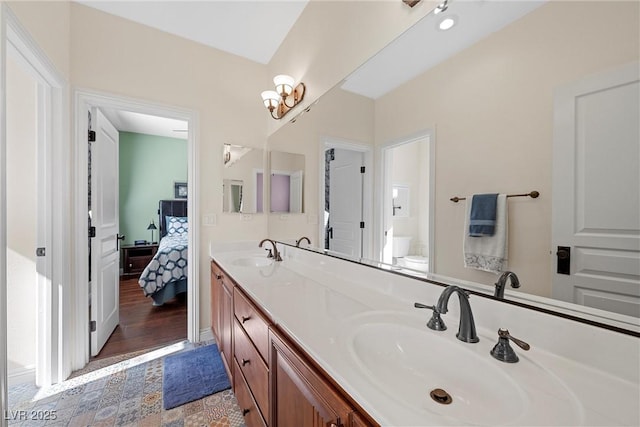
column 492, row 106
column 49, row 23
column 21, row 218
column 305, row 136
column 113, row 55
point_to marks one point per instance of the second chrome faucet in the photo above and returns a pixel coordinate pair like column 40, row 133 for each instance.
column 275, row 254
column 467, row 326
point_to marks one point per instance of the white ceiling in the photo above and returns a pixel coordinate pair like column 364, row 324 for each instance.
column 424, row 45
column 254, row 29
column 128, row 121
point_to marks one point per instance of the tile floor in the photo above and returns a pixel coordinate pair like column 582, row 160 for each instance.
column 120, row 391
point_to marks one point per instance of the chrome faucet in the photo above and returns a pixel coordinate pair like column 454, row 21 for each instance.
column 275, row 255
column 502, row 283
column 467, row 327
column 301, row 239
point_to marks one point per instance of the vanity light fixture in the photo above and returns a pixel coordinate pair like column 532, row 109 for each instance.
column 285, row 97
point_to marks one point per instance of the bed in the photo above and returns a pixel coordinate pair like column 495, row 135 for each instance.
column 166, row 274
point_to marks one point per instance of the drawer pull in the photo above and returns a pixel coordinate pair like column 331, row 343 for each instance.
column 218, row 276
column 245, row 412
column 245, row 318
column 245, row 362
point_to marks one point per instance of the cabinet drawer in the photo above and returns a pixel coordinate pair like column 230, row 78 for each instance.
column 216, row 271
column 252, row 367
column 252, row 417
column 256, row 327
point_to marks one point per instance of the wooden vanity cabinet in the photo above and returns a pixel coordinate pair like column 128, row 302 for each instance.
column 301, row 397
column 251, row 343
column 222, row 314
column 274, row 381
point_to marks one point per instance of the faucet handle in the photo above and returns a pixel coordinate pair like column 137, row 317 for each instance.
column 436, row 323
column 269, row 253
column 503, row 351
column 504, row 333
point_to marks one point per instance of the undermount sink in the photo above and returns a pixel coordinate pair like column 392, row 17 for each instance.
column 408, row 363
column 253, row 261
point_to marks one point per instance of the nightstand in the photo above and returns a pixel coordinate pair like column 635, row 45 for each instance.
column 135, row 258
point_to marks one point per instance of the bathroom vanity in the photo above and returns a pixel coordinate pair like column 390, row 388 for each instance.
column 319, row 341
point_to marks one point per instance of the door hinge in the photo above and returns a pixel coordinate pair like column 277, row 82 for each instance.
column 362, row 169
column 92, row 232
column 361, row 224
column 332, row 154
column 92, row 326
column 92, row 135
column 40, row 252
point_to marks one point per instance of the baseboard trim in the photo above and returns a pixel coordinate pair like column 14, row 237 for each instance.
column 22, row 375
column 206, row 334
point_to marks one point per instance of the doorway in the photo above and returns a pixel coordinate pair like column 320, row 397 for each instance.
column 86, row 101
column 33, row 283
column 408, row 183
column 146, row 156
column 346, row 198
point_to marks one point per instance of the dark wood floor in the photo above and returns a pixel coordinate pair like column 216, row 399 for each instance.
column 144, row 326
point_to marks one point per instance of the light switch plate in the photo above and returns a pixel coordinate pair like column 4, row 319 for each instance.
column 209, row 220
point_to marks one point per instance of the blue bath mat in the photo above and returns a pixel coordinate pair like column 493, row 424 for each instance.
column 192, row 375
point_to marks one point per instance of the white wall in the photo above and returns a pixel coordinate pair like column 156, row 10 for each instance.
column 21, row 218
column 406, row 166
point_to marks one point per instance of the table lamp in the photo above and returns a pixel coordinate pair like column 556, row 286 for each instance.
column 152, row 227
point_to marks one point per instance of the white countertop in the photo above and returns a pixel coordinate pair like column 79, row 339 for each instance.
column 323, row 302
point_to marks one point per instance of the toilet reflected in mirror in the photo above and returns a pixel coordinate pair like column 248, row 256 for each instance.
column 403, row 259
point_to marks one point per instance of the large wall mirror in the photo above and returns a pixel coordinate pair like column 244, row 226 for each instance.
column 515, row 97
column 286, row 175
column 242, row 179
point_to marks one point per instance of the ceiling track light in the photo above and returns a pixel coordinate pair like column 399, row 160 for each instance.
column 286, row 96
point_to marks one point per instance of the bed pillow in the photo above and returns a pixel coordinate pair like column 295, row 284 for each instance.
column 177, row 225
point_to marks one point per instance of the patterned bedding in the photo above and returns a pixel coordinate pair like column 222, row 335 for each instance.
column 169, row 264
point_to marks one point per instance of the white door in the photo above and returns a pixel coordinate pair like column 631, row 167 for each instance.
column 105, row 256
column 387, row 207
column 596, row 190
column 295, row 192
column 345, row 202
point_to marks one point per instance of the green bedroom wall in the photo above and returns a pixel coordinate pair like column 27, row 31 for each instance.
column 149, row 166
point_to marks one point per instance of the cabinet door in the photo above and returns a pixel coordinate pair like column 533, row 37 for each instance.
column 300, row 397
column 215, row 302
column 226, row 324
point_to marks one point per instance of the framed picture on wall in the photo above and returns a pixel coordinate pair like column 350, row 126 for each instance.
column 180, row 190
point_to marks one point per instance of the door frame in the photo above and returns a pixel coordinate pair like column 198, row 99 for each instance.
column 328, row 142
column 84, row 99
column 383, row 199
column 53, row 228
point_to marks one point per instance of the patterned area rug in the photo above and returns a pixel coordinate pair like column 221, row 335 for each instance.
column 120, row 391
